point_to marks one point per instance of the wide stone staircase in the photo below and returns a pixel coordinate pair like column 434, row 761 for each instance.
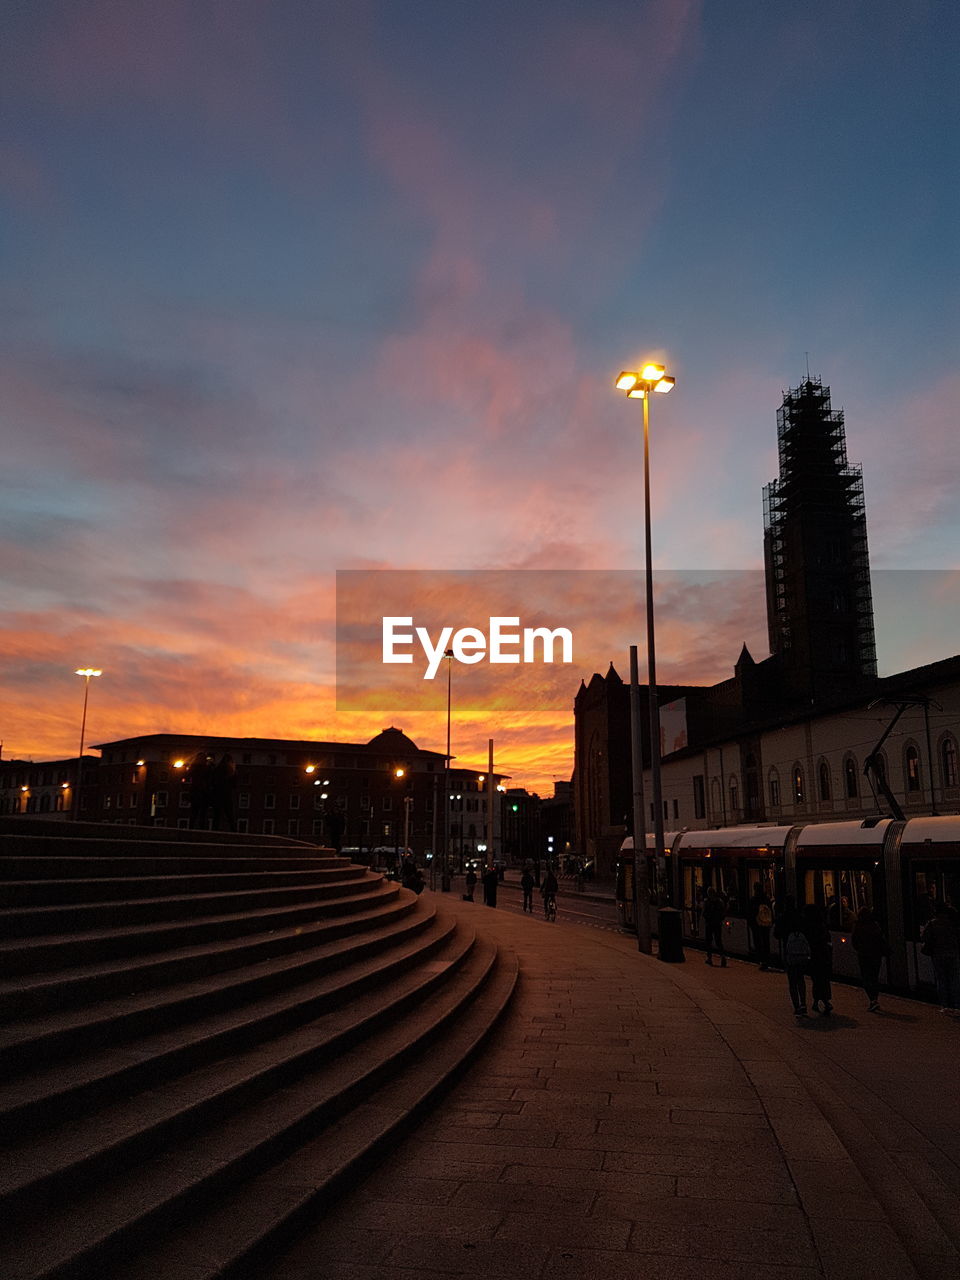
column 205, row 1037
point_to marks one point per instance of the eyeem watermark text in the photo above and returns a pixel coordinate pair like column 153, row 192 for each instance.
column 506, row 643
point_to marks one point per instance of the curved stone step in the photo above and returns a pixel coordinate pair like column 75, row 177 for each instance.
column 64, row 866
column 80, row 1237
column 90, row 889
column 134, row 1125
column 25, row 921
column 59, row 1086
column 251, row 1224
column 27, row 1043
column 45, row 952
column 87, row 984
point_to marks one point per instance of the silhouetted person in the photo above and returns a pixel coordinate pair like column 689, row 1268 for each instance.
column 526, row 884
column 490, row 881
column 795, row 950
column 760, row 921
column 714, row 913
column 223, row 786
column 549, row 889
column 871, row 947
column 333, row 826
column 941, row 942
column 814, row 926
column 200, row 780
column 469, row 884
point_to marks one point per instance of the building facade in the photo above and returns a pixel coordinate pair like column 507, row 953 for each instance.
column 795, row 737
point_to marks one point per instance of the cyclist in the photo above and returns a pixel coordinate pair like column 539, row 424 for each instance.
column 549, row 891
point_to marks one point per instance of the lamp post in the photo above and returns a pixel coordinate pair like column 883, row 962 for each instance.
column 445, row 867
column 651, row 379
column 86, row 672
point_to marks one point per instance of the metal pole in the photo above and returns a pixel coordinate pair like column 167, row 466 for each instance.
column 83, row 729
column 641, row 889
column 651, row 650
column 490, row 847
column 445, row 868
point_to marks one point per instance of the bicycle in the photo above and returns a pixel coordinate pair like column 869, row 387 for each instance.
column 550, row 907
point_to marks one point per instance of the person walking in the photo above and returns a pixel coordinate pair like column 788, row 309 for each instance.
column 490, row 880
column 871, row 947
column 714, row 914
column 814, row 925
column 941, row 942
column 469, row 884
column 200, row 783
column 549, row 889
column 223, row 785
column 795, row 953
column 760, row 921
column 526, row 884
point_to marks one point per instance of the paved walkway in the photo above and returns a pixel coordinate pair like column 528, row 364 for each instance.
column 631, row 1119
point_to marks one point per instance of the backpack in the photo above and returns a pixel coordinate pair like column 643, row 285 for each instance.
column 796, row 949
column 764, row 916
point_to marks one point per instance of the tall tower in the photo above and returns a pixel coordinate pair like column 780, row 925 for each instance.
column 819, row 602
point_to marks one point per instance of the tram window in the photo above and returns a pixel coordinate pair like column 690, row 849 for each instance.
column 727, row 882
column 693, row 896
column 840, row 892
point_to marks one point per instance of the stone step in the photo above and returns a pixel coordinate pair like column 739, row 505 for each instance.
column 249, row 1227
column 58, row 1090
column 28, row 996
column 131, row 1126
column 26, row 1043
column 121, row 840
column 47, row 952
column 44, row 893
column 18, row 922
column 81, row 1236
column 67, row 867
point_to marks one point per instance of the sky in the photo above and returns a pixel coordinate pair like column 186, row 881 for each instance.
column 296, row 287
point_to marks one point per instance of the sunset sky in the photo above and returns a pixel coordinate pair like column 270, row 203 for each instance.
column 295, row 287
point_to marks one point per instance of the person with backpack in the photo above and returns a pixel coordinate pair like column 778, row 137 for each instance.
column 714, row 914
column 795, row 949
column 941, row 942
column 760, row 922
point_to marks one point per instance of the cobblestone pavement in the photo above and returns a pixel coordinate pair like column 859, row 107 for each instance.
column 633, row 1120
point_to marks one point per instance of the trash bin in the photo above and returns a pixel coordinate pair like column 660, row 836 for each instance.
column 670, row 931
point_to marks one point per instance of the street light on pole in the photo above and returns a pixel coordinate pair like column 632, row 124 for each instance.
column 86, row 672
column 445, row 868
column 651, row 379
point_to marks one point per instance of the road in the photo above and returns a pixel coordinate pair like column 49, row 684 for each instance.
column 570, row 906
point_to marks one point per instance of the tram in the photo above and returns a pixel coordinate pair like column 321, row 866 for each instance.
column 901, row 870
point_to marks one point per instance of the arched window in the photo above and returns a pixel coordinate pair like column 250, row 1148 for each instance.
column 911, row 768
column 948, row 761
column 850, row 778
column 773, row 785
column 798, row 787
column 716, row 799
column 823, row 780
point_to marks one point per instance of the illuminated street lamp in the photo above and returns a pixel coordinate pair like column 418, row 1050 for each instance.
column 86, row 672
column 652, row 378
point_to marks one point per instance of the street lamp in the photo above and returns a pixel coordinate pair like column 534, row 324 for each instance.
column 86, row 672
column 652, row 378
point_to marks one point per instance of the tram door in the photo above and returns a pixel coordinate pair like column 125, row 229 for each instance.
column 693, row 897
column 929, row 884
